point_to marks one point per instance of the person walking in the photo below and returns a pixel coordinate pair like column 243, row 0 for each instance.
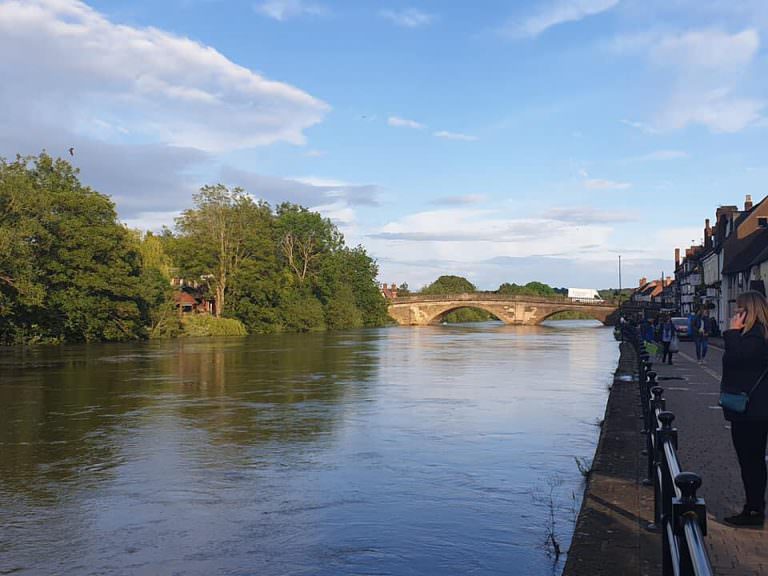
column 700, row 326
column 667, row 335
column 745, row 366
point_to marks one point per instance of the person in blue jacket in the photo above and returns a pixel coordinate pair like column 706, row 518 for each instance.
column 745, row 364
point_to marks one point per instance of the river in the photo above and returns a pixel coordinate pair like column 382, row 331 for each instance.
column 397, row 451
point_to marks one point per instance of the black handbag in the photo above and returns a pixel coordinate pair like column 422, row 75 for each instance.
column 738, row 402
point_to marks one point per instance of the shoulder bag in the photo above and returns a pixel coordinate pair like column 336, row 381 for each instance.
column 674, row 344
column 738, row 402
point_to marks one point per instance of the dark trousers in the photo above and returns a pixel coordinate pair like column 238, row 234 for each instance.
column 666, row 353
column 701, row 347
column 749, row 440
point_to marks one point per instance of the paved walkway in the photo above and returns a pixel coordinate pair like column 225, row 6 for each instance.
column 705, row 448
column 611, row 537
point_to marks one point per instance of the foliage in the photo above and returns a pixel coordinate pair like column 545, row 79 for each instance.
column 216, row 236
column 468, row 315
column 162, row 317
column 530, row 289
column 300, row 311
column 571, row 315
column 205, row 325
column 68, row 270
column 449, row 285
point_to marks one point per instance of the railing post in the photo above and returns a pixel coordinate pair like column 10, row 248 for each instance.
column 687, row 507
column 666, row 433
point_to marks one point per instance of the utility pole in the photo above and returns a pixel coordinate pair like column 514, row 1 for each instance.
column 619, row 278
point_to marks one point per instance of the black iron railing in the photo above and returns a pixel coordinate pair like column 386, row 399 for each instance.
column 679, row 514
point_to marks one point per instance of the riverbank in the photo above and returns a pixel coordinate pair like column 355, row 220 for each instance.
column 610, row 536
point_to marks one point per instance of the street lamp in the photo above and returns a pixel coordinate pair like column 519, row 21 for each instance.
column 619, row 279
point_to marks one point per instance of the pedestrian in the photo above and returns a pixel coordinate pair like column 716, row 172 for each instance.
column 700, row 326
column 745, row 365
column 667, row 335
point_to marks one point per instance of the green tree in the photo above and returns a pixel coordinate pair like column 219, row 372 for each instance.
column 346, row 284
column 449, row 285
column 530, row 289
column 68, row 270
column 161, row 314
column 213, row 238
column 304, row 237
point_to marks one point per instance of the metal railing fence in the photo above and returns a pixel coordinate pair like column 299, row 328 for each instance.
column 679, row 514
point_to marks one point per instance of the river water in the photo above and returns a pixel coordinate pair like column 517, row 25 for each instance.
column 404, row 451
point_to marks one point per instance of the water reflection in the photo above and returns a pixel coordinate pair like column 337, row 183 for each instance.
column 395, row 451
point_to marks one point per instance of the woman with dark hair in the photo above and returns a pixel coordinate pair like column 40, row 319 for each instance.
column 745, row 364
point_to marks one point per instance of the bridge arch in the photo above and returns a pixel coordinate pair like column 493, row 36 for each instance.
column 594, row 314
column 437, row 317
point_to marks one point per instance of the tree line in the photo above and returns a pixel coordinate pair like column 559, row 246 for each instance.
column 71, row 272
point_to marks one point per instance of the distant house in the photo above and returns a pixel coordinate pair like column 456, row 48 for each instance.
column 653, row 292
column 389, row 292
column 190, row 297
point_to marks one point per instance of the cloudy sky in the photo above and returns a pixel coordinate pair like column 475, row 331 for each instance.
column 502, row 141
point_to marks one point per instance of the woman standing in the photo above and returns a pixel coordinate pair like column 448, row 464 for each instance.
column 744, row 365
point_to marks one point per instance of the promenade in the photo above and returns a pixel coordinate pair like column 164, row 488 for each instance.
column 691, row 391
column 611, row 536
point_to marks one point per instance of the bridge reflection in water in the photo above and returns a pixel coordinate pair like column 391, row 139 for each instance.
column 519, row 310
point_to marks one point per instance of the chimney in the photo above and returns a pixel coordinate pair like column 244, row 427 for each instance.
column 643, row 281
column 748, row 203
column 677, row 257
column 707, row 235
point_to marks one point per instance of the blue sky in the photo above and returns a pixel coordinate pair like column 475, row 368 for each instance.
column 499, row 141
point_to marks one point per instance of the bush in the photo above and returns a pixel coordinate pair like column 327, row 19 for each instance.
column 204, row 325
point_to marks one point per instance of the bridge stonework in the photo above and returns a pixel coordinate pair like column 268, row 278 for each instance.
column 519, row 310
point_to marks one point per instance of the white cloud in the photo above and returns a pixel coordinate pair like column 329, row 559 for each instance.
column 408, row 18
column 282, row 10
column 557, row 13
column 708, row 69
column 460, row 200
column 601, row 184
column 588, row 215
column 65, row 64
column 398, row 122
column 445, row 135
column 707, row 50
column 716, row 109
column 642, row 126
column 463, row 235
column 307, row 191
column 315, row 153
column 660, row 155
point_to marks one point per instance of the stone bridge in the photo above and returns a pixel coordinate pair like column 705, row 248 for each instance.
column 520, row 310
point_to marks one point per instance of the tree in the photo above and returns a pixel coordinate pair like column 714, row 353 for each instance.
column 161, row 315
column 214, row 237
column 449, row 285
column 68, row 270
column 304, row 237
column 346, row 285
column 530, row 289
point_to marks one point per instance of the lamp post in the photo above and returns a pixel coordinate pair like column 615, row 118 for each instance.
column 619, row 279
